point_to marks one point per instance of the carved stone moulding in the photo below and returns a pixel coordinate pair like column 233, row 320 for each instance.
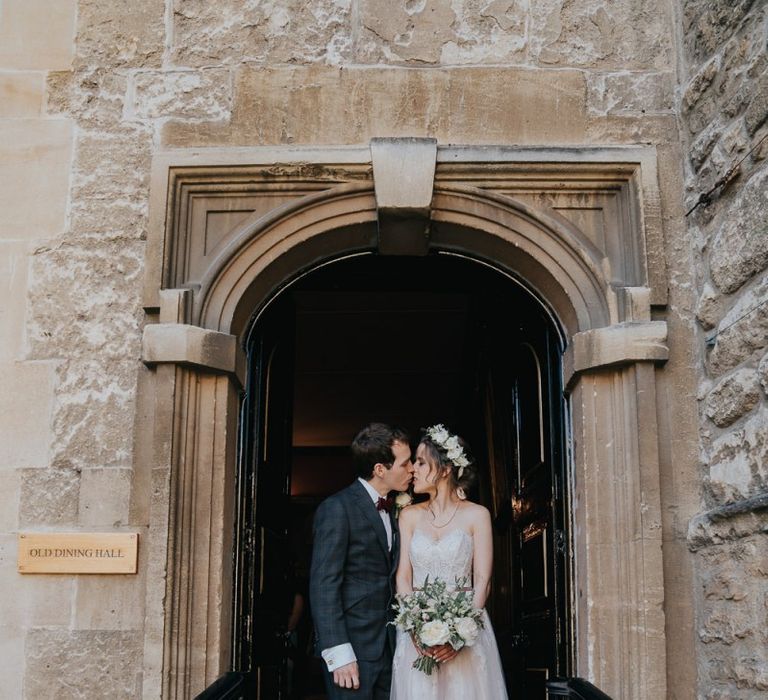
column 579, row 228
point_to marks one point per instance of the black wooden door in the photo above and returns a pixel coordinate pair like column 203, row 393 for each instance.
column 263, row 594
column 524, row 416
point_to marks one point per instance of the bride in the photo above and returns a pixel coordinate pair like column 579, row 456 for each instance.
column 446, row 537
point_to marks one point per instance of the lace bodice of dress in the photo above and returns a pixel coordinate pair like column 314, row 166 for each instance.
column 448, row 558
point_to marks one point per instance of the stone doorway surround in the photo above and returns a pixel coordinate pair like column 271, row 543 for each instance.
column 580, row 227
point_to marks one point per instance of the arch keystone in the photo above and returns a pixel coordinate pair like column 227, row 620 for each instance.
column 403, row 179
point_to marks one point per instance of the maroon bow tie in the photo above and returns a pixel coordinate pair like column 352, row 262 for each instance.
column 385, row 504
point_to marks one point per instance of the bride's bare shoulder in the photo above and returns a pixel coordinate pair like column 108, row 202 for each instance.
column 476, row 513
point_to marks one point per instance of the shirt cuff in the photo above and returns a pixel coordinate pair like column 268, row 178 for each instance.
column 338, row 656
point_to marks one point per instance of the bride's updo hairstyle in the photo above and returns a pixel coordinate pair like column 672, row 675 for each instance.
column 448, row 451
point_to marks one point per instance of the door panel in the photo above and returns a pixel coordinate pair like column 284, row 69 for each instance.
column 263, row 597
column 523, row 418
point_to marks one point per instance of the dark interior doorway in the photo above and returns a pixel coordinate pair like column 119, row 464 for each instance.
column 409, row 341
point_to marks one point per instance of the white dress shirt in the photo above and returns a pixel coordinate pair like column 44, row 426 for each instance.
column 344, row 654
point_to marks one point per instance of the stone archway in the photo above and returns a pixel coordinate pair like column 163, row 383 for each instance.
column 508, row 207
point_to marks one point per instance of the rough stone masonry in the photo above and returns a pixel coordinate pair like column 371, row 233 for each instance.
column 724, row 122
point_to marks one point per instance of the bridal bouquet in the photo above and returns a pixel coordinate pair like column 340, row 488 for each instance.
column 435, row 615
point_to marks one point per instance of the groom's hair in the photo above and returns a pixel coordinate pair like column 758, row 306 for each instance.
column 373, row 445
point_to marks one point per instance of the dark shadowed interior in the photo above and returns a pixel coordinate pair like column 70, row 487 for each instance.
column 414, row 342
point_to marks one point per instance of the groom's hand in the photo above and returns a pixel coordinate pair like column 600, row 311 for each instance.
column 347, row 676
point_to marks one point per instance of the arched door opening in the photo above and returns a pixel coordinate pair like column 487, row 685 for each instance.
column 410, row 341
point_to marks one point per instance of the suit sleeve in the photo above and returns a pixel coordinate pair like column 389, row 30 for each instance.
column 329, row 554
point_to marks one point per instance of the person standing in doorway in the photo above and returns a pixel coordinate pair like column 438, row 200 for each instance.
column 353, row 562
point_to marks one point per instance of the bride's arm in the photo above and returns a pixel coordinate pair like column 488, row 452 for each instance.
column 404, row 575
column 482, row 562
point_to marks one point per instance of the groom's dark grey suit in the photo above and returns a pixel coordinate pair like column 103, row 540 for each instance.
column 352, row 586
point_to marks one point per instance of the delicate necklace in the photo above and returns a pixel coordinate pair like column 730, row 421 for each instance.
column 434, row 517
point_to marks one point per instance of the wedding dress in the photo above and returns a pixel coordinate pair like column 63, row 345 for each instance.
column 475, row 673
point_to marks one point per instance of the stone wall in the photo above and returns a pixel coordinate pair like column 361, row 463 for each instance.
column 91, row 90
column 724, row 107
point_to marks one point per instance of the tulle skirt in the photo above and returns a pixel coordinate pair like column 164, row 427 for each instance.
column 474, row 674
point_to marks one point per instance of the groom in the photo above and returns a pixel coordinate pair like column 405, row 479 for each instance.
column 354, row 557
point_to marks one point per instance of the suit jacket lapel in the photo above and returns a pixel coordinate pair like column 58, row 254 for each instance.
column 395, row 554
column 365, row 505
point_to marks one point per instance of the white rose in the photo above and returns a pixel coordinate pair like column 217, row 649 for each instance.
column 454, row 456
column 467, row 629
column 452, row 443
column 403, row 499
column 434, row 633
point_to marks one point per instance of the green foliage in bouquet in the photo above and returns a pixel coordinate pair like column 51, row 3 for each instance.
column 436, row 615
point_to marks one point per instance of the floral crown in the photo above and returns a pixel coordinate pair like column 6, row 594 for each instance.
column 439, row 435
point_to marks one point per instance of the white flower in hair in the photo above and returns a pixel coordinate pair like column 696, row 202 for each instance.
column 450, row 443
column 438, row 433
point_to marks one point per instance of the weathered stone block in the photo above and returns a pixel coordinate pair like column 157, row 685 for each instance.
column 738, row 463
column 434, row 32
column 485, row 31
column 94, row 95
column 12, row 661
column 35, row 157
column 26, row 45
column 233, row 32
column 111, row 182
column 105, row 496
column 37, row 599
column 734, row 141
column 733, row 615
column 740, row 249
column 708, row 25
column 703, row 144
column 709, row 309
column 49, row 497
column 25, row 407
column 627, row 36
column 78, row 664
column 98, row 324
column 110, row 603
column 96, row 329
column 93, row 422
column 405, row 32
column 202, row 94
column 734, row 396
column 630, row 93
column 723, row 627
column 757, row 111
column 731, row 523
column 725, row 584
column 10, row 488
column 329, row 106
column 120, row 34
column 14, row 261
column 698, row 104
column 762, row 372
column 21, row 94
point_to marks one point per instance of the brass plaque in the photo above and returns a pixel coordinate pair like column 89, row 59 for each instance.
column 78, row 553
